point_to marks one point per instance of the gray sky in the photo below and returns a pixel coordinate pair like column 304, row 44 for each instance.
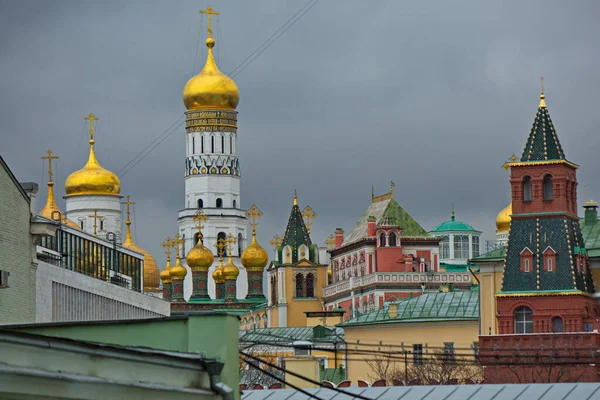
column 432, row 95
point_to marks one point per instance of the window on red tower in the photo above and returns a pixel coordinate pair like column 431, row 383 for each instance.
column 557, row 325
column 392, row 240
column 523, row 320
column 549, row 260
column 527, row 196
column 526, row 260
column 382, row 240
column 548, row 192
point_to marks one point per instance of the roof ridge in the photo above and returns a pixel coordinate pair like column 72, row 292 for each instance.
column 542, row 143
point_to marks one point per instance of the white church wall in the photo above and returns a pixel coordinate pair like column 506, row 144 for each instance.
column 80, row 208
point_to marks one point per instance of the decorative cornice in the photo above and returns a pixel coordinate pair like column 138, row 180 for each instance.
column 544, row 162
column 542, row 293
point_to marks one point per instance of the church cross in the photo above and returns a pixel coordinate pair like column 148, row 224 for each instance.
column 277, row 240
column 220, row 245
column 91, row 117
column 96, row 217
column 127, row 204
column 308, row 214
column 542, row 83
column 177, row 243
column 330, row 241
column 209, row 11
column 230, row 242
column 199, row 218
column 254, row 213
column 168, row 246
column 49, row 157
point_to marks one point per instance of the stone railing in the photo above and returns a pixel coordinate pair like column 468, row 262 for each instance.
column 396, row 278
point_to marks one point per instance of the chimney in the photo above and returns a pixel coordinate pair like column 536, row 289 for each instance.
column 591, row 212
column 31, row 188
column 371, row 226
column 339, row 237
column 393, row 310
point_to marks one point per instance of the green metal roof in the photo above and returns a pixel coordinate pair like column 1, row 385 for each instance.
column 386, row 212
column 497, row 254
column 542, row 143
column 291, row 334
column 426, row 308
column 590, row 230
column 454, row 225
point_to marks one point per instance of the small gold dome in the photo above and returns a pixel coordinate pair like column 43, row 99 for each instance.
column 199, row 258
column 52, row 208
column 165, row 274
column 92, row 178
column 254, row 256
column 218, row 273
column 151, row 271
column 211, row 89
column 230, row 271
column 503, row 219
column 178, row 271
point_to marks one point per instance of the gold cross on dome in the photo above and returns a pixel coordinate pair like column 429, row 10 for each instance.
column 91, row 117
column 276, row 241
column 177, row 243
column 308, row 214
column 220, row 245
column 49, row 157
column 198, row 219
column 542, row 83
column 127, row 204
column 209, row 11
column 230, row 242
column 254, row 213
column 168, row 246
column 96, row 217
column 330, row 241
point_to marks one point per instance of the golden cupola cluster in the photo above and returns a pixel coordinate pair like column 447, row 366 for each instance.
column 254, row 257
column 503, row 219
column 151, row 271
column 92, row 179
column 165, row 274
column 230, row 270
column 210, row 89
column 51, row 210
column 199, row 258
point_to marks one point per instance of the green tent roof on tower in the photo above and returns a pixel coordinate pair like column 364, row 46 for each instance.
column 454, row 225
column 542, row 143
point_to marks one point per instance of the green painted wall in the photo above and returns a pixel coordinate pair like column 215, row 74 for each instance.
column 215, row 335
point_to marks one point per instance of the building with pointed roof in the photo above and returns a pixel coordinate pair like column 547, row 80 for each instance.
column 544, row 308
column 385, row 257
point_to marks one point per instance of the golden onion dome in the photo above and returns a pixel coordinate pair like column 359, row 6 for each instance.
column 211, row 89
column 165, row 274
column 218, row 273
column 199, row 258
column 503, row 219
column 254, row 256
column 178, row 271
column 92, row 178
column 230, row 271
column 51, row 209
column 151, row 271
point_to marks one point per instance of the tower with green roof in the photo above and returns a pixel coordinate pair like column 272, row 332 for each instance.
column 459, row 242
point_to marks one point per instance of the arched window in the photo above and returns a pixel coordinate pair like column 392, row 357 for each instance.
column 557, row 325
column 196, row 237
column 548, row 192
column 299, row 285
column 382, row 240
column 81, row 224
column 219, row 203
column 461, row 246
column 273, row 290
column 200, row 203
column 222, row 236
column 193, row 145
column 288, row 255
column 527, row 189
column 310, row 285
column 475, row 249
column 392, row 240
column 202, row 144
column 101, row 224
column 550, row 264
column 444, row 248
column 523, row 320
column 240, row 244
column 526, row 266
column 212, row 144
column 234, row 204
column 230, row 144
column 183, row 244
column 222, row 144
column 265, row 321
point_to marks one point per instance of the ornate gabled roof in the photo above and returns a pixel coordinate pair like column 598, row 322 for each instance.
column 386, row 212
column 542, row 143
column 296, row 233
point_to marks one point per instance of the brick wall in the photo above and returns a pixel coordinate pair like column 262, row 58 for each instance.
column 17, row 303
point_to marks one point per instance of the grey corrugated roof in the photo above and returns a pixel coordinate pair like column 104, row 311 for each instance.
column 543, row 391
column 286, row 335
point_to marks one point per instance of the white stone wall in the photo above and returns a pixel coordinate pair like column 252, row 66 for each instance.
column 17, row 302
column 64, row 295
column 79, row 208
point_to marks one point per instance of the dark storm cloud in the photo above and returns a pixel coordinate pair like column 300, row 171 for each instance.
column 434, row 96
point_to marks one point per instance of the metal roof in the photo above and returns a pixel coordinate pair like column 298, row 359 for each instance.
column 287, row 335
column 427, row 307
column 544, row 391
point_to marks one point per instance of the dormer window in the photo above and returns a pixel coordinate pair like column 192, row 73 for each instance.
column 526, row 260
column 549, row 259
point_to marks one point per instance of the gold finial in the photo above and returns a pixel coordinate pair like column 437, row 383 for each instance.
column 309, row 214
column 372, row 192
column 295, row 198
column 330, row 241
column 168, row 246
column 542, row 95
column 91, row 117
column 96, row 218
column 276, row 241
column 128, row 211
column 177, row 243
column 220, row 245
column 200, row 218
column 230, row 241
column 50, row 157
column 254, row 213
column 209, row 11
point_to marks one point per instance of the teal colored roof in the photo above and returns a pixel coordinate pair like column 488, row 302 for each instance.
column 287, row 335
column 454, row 267
column 590, row 230
column 497, row 254
column 450, row 306
column 542, row 143
column 454, row 225
column 386, row 212
column 334, row 375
